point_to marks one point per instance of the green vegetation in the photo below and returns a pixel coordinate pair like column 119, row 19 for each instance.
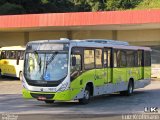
column 61, row 6
column 149, row 4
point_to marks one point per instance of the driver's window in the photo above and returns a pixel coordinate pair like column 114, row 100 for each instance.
column 78, row 66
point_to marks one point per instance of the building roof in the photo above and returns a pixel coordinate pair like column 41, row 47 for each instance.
column 88, row 20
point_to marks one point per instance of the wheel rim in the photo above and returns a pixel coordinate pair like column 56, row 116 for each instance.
column 86, row 94
column 131, row 89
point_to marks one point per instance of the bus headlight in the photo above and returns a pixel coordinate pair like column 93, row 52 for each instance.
column 63, row 87
column 23, row 83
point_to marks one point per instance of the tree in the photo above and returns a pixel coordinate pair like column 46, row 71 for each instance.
column 59, row 6
column 9, row 8
column 121, row 4
column 89, row 5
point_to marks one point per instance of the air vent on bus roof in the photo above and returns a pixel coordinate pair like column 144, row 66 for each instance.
column 113, row 42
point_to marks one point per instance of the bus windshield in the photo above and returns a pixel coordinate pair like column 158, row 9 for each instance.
column 46, row 66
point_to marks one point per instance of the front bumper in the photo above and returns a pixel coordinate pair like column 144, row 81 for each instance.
column 61, row 96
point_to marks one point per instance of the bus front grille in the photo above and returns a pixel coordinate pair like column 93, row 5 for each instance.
column 47, row 96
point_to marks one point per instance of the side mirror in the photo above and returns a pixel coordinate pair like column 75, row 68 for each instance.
column 73, row 61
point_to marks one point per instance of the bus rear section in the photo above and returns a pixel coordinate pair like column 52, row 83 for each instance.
column 78, row 70
column 11, row 61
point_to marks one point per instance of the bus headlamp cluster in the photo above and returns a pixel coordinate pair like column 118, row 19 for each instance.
column 63, row 87
column 23, row 83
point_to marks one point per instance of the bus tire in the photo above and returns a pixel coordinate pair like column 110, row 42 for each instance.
column 20, row 75
column 129, row 90
column 1, row 76
column 49, row 101
column 0, row 73
column 87, row 95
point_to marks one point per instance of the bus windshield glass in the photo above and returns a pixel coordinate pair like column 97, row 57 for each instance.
column 46, row 65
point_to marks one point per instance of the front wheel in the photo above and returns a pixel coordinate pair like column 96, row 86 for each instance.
column 49, row 101
column 1, row 76
column 20, row 76
column 86, row 98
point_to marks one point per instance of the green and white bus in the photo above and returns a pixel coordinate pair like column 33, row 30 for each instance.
column 64, row 70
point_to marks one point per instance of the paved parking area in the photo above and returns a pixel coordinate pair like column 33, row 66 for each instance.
column 10, row 86
column 111, row 106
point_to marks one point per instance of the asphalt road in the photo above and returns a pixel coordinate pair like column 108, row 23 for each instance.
column 111, row 106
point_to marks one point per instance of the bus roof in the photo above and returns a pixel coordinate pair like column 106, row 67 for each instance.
column 13, row 48
column 95, row 43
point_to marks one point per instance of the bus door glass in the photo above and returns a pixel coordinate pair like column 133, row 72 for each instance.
column 140, row 66
column 107, row 66
column 99, row 76
column 76, row 68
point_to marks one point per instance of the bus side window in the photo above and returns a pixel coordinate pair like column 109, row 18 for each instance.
column 98, row 58
column 123, row 60
column 115, row 58
column 18, row 54
column 140, row 58
column 89, row 62
column 3, row 55
column 118, row 58
column 136, row 59
column 78, row 65
column 75, row 70
column 22, row 55
column 107, row 58
column 130, row 58
column 12, row 55
column 7, row 54
column 147, row 58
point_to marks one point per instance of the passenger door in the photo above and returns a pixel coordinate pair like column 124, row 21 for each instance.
column 99, row 76
column 140, row 67
column 107, row 66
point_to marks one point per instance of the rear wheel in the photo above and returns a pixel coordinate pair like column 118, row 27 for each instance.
column 49, row 101
column 130, row 89
column 87, row 95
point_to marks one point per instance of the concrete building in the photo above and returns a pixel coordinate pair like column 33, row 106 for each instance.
column 138, row 27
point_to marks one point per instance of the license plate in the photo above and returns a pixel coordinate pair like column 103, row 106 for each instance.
column 42, row 98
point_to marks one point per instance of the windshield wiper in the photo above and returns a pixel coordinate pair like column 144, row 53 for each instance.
column 51, row 58
column 48, row 62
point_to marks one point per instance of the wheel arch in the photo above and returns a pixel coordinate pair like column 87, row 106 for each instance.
column 131, row 80
column 91, row 86
column 20, row 72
